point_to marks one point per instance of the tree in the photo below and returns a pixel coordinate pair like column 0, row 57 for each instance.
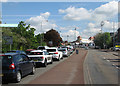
column 54, row 37
column 103, row 40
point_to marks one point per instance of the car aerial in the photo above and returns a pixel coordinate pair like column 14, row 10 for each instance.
column 64, row 51
column 15, row 66
column 16, row 51
column 56, row 54
column 28, row 51
column 41, row 57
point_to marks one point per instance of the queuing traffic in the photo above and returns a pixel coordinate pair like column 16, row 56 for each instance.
column 17, row 64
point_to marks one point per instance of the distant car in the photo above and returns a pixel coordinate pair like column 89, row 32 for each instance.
column 41, row 57
column 56, row 54
column 16, row 51
column 42, row 47
column 64, row 51
column 15, row 66
column 116, row 49
column 28, row 51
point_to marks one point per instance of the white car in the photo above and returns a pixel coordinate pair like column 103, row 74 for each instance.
column 65, row 51
column 56, row 54
column 42, row 57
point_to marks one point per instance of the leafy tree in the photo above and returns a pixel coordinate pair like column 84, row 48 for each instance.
column 54, row 36
column 103, row 40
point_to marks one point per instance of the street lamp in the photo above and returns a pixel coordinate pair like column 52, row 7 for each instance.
column 75, row 33
column 42, row 37
column 67, row 37
column 102, row 24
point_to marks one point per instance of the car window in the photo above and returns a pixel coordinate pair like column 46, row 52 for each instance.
column 6, row 59
column 36, row 53
column 18, row 58
column 25, row 58
column 51, row 50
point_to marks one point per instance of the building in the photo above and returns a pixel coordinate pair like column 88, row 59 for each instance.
column 8, row 26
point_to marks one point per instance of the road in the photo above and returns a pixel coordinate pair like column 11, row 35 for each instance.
column 87, row 67
column 98, row 69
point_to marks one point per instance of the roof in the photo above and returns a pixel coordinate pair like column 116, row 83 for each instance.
column 8, row 25
column 10, row 53
column 37, row 51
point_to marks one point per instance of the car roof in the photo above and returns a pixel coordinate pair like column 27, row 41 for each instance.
column 52, row 48
column 37, row 51
column 10, row 53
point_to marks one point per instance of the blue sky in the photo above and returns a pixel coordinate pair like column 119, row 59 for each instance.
column 62, row 16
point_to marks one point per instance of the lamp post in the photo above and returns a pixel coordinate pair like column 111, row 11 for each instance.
column 75, row 33
column 102, row 24
column 67, row 37
column 42, row 36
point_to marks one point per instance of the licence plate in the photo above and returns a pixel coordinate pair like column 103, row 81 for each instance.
column 36, row 60
column 1, row 75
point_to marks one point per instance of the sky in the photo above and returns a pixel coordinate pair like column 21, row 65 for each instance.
column 64, row 16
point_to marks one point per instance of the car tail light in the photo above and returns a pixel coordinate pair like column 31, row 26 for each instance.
column 42, row 57
column 56, row 53
column 12, row 66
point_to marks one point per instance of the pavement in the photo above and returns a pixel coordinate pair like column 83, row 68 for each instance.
column 70, row 71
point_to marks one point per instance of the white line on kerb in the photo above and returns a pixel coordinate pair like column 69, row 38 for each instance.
column 89, row 75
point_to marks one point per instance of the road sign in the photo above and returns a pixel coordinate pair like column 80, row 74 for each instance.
column 8, row 39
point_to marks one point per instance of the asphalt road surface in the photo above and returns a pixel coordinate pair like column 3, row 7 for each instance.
column 67, row 71
column 99, row 70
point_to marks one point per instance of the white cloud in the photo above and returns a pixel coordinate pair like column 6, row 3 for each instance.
column 3, row 0
column 103, row 12
column 41, row 23
column 75, row 14
column 72, row 35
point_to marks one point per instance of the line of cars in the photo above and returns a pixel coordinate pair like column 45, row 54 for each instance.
column 17, row 64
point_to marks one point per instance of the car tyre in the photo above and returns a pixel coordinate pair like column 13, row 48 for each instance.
column 33, row 70
column 45, row 63
column 51, row 61
column 18, row 77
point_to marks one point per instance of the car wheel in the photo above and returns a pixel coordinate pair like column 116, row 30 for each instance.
column 51, row 61
column 59, row 58
column 18, row 77
column 45, row 63
column 33, row 70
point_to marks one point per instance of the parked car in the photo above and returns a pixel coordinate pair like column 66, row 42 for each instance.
column 41, row 57
column 16, row 51
column 42, row 47
column 64, row 51
column 56, row 54
column 116, row 48
column 28, row 51
column 15, row 66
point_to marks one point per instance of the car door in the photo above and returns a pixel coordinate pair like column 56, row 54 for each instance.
column 28, row 65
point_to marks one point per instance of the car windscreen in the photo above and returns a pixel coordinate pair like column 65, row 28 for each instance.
column 61, row 50
column 6, row 59
column 51, row 50
column 36, row 53
column 41, row 48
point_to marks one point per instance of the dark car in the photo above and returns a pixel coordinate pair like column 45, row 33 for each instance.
column 16, row 51
column 15, row 66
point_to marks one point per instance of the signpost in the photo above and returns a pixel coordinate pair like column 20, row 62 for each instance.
column 8, row 40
